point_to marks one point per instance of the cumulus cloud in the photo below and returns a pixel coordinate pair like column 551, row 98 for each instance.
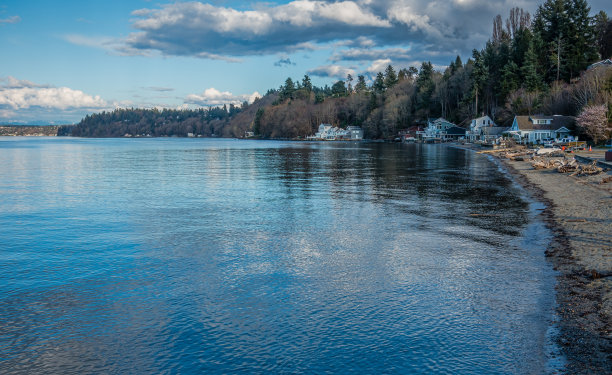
column 13, row 19
column 213, row 97
column 18, row 94
column 332, row 71
column 194, row 28
column 209, row 31
column 378, row 66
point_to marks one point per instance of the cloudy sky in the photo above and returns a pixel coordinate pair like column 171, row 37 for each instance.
column 63, row 59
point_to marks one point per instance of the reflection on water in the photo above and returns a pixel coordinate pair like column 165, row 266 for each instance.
column 182, row 255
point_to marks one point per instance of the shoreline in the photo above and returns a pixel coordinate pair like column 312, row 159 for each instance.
column 578, row 213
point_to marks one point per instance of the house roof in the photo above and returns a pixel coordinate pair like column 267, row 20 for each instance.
column 455, row 130
column 525, row 123
column 600, row 63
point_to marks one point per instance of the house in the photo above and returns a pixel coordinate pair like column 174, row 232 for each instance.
column 331, row 133
column 534, row 129
column 454, row 132
column 484, row 129
column 436, row 128
column 605, row 63
column 411, row 133
column 355, row 133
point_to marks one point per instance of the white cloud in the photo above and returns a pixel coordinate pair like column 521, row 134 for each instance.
column 204, row 30
column 378, row 66
column 20, row 94
column 333, row 71
column 448, row 27
column 214, row 97
column 12, row 19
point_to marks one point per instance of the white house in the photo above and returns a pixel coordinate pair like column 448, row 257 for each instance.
column 484, row 129
column 331, row 133
column 354, row 133
column 533, row 129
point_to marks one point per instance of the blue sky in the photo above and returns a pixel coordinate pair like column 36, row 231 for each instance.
column 64, row 59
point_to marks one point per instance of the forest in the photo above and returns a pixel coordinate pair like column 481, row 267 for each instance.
column 530, row 65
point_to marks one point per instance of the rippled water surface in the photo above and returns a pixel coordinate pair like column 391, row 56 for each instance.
column 195, row 256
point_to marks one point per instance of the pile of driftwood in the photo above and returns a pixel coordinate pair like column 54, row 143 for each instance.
column 547, row 163
column 587, row 170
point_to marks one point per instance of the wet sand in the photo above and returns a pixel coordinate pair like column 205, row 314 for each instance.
column 579, row 212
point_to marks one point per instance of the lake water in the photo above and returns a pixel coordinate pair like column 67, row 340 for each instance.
column 199, row 255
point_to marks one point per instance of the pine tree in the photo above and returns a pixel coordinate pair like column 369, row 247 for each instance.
column 529, row 71
column 480, row 74
column 306, row 83
column 390, row 77
column 361, row 84
column 581, row 41
column 379, row 83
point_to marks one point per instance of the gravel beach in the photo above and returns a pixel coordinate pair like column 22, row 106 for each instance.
column 579, row 212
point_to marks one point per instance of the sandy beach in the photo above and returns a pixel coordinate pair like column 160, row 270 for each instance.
column 579, row 212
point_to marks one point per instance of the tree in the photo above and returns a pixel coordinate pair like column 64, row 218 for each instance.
column 594, row 123
column 257, row 121
column 390, row 77
column 529, row 70
column 338, row 89
column 306, row 83
column 425, row 87
column 581, row 39
column 361, row 85
column 349, row 79
column 479, row 76
column 379, row 83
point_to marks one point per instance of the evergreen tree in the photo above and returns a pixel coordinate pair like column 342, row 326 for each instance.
column 306, row 83
column 361, row 85
column 379, row 83
column 338, row 89
column 479, row 77
column 425, row 87
column 529, row 71
column 581, row 42
column 257, row 121
column 390, row 77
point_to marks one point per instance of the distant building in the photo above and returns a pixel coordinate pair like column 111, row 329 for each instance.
column 355, row 133
column 442, row 129
column 484, row 129
column 331, row 133
column 534, row 129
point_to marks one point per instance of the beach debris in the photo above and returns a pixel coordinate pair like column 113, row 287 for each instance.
column 549, row 151
column 605, row 180
column 587, row 170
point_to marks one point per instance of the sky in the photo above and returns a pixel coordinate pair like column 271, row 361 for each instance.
column 64, row 59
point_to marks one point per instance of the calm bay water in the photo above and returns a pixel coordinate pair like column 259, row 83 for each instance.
column 194, row 255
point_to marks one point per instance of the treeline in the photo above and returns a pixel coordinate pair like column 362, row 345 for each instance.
column 529, row 65
column 156, row 123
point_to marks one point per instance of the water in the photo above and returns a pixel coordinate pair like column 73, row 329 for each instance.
column 194, row 256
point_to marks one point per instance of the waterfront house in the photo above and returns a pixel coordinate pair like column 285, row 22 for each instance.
column 484, row 129
column 534, row 129
column 436, row 128
column 355, row 133
column 331, row 133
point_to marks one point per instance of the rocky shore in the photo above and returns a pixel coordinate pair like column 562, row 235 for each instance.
column 579, row 213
